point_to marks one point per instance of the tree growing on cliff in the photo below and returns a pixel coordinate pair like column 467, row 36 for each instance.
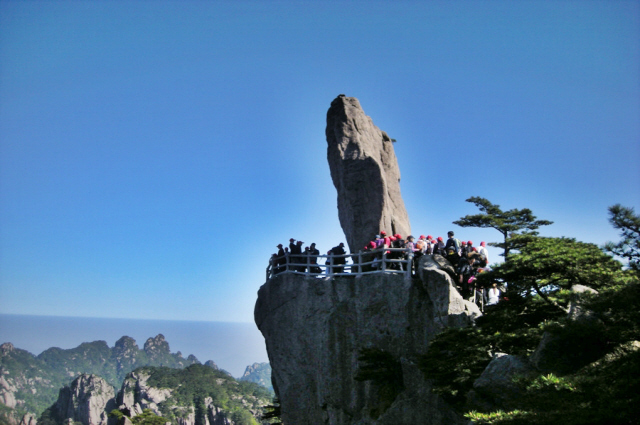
column 516, row 226
column 628, row 223
column 545, row 266
column 591, row 363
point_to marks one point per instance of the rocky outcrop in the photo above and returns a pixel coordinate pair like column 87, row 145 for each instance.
column 157, row 348
column 7, row 393
column 87, row 400
column 260, row 373
column 211, row 364
column 23, row 380
column 199, row 395
column 365, row 172
column 316, row 329
column 136, row 395
column 496, row 385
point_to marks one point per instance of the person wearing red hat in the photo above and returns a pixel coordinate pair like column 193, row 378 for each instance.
column 438, row 247
column 387, row 240
column 463, row 249
column 397, row 243
column 484, row 253
column 421, row 245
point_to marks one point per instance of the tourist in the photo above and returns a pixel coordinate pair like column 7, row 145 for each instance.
column 452, row 248
column 314, row 252
column 338, row 252
column 493, row 294
column 438, row 247
column 271, row 270
column 421, row 244
column 397, row 256
column 281, row 260
column 466, row 271
column 484, row 253
column 329, row 263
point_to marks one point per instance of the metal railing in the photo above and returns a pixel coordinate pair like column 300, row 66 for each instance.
column 387, row 260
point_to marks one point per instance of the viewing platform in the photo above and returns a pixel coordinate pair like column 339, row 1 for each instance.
column 387, row 260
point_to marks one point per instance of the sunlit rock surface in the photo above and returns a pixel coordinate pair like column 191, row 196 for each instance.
column 365, row 172
column 315, row 328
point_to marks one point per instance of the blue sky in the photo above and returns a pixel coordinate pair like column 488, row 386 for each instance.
column 154, row 153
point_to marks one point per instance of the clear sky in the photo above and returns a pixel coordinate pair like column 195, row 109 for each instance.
column 154, row 153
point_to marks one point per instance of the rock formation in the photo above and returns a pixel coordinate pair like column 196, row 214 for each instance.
column 260, row 373
column 87, row 400
column 323, row 333
column 211, row 364
column 28, row 383
column 315, row 330
column 136, row 395
column 365, row 172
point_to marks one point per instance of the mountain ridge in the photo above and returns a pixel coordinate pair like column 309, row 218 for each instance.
column 29, row 384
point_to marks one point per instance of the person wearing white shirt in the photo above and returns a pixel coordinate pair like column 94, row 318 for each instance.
column 493, row 295
column 482, row 250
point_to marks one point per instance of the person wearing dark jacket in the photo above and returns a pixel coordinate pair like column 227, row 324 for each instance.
column 338, row 250
column 280, row 260
column 466, row 271
column 314, row 252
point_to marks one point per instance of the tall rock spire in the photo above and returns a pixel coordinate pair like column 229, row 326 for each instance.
column 365, row 172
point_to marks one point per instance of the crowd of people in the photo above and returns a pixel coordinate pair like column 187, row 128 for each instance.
column 467, row 259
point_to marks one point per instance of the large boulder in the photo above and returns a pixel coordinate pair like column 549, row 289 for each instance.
column 317, row 328
column 365, row 172
column 496, row 387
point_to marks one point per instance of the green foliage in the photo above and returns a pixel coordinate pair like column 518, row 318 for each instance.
column 454, row 360
column 594, row 359
column 272, row 412
column 515, row 225
column 385, row 373
column 513, row 417
column 147, row 417
column 40, row 378
column 547, row 265
column 6, row 415
column 628, row 222
column 118, row 415
column 23, row 368
column 194, row 384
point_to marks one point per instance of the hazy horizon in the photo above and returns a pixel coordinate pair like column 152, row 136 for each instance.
column 231, row 345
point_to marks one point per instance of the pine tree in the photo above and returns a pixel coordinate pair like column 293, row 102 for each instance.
column 516, row 226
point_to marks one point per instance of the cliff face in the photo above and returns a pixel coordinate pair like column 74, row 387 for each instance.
column 87, row 400
column 316, row 328
column 365, row 172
